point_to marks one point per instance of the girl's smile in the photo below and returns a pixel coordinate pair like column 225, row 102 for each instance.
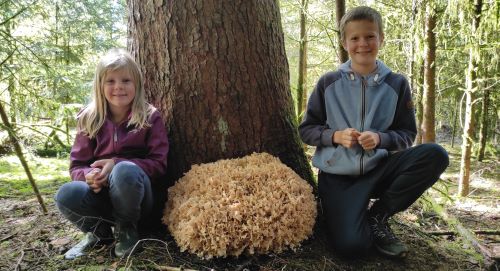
column 119, row 90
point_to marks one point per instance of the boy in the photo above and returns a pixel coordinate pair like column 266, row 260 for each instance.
column 361, row 120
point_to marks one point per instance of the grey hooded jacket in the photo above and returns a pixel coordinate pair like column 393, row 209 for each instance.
column 379, row 102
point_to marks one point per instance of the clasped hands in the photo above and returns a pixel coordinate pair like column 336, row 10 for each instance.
column 97, row 178
column 349, row 137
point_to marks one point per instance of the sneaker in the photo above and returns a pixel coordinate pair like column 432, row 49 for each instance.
column 89, row 241
column 127, row 237
column 384, row 239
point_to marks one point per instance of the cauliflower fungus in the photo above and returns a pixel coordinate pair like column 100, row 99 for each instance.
column 254, row 204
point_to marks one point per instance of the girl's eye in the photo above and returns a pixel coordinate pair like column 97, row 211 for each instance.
column 126, row 80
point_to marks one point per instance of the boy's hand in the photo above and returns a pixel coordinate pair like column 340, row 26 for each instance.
column 368, row 140
column 347, row 137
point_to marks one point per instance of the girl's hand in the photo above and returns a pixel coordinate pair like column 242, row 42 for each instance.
column 91, row 179
column 101, row 178
column 347, row 137
column 368, row 140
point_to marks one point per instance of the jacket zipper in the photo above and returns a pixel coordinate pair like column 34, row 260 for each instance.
column 115, row 137
column 363, row 112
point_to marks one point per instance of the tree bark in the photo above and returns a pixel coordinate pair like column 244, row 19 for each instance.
column 302, row 76
column 471, row 88
column 429, row 100
column 418, row 103
column 456, row 110
column 483, row 131
column 218, row 72
column 340, row 11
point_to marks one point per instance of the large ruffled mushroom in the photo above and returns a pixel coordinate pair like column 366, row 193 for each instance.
column 254, row 204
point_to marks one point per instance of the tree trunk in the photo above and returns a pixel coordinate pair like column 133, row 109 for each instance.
column 340, row 11
column 418, row 103
column 413, row 44
column 428, row 120
column 456, row 111
column 471, row 88
column 20, row 155
column 218, row 72
column 483, row 131
column 302, row 78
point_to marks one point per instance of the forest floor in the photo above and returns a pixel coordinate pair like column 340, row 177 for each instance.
column 30, row 240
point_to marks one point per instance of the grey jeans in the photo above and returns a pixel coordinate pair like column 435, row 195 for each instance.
column 126, row 200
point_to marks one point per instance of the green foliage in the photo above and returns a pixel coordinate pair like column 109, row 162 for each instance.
column 50, row 50
column 403, row 47
column 49, row 174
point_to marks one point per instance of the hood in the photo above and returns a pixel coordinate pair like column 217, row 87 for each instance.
column 372, row 79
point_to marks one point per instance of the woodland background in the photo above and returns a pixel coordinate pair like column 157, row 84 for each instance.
column 449, row 51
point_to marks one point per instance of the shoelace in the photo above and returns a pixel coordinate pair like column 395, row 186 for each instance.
column 382, row 230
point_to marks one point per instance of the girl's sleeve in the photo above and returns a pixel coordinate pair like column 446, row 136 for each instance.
column 81, row 156
column 155, row 162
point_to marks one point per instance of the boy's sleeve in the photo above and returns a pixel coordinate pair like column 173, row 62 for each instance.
column 155, row 162
column 81, row 156
column 314, row 130
column 403, row 129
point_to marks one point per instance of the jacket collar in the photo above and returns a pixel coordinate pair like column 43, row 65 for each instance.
column 375, row 78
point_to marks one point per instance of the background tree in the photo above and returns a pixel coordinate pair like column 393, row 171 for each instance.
column 302, row 71
column 340, row 11
column 429, row 100
column 470, row 91
column 218, row 72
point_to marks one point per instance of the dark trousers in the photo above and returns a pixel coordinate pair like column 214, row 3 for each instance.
column 397, row 182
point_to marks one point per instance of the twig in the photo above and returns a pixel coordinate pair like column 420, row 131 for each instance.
column 19, row 261
column 481, row 232
column 468, row 236
column 144, row 240
column 7, row 237
column 171, row 268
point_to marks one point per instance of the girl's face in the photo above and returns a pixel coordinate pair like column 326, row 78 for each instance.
column 362, row 42
column 119, row 90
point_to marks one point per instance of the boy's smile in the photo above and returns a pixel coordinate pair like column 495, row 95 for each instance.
column 362, row 42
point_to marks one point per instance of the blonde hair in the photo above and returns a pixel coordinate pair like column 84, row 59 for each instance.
column 359, row 14
column 91, row 119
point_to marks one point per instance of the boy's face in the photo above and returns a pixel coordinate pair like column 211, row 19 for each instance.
column 362, row 42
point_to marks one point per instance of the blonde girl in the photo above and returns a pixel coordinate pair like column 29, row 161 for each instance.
column 117, row 161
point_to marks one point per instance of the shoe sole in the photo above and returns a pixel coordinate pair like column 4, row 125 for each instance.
column 400, row 255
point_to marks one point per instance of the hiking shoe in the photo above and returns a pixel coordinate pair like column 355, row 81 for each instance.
column 127, row 237
column 384, row 239
column 89, row 241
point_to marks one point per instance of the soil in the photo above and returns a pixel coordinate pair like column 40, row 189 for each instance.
column 30, row 240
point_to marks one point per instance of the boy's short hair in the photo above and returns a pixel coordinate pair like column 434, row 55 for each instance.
column 358, row 14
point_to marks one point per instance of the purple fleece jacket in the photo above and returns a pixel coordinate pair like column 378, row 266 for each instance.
column 146, row 148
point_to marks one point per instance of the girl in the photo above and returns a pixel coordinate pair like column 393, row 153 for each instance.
column 119, row 154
